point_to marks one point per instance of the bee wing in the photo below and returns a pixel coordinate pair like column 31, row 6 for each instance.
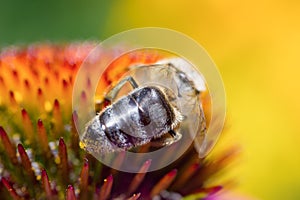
column 155, row 75
column 200, row 141
column 196, row 123
column 186, row 68
column 186, row 82
column 204, row 138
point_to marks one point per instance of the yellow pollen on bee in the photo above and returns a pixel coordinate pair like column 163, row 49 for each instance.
column 82, row 145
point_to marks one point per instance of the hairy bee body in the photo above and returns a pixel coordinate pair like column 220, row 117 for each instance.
column 135, row 119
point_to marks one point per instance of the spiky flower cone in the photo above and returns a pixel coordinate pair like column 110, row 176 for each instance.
column 40, row 155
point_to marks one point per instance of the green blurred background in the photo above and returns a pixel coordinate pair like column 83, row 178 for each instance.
column 254, row 43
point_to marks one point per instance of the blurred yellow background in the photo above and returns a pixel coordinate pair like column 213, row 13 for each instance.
column 254, row 43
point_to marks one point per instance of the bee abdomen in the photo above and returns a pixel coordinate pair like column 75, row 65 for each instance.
column 123, row 140
column 119, row 138
column 133, row 120
column 110, row 126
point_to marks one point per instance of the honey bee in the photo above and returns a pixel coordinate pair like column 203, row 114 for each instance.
column 164, row 97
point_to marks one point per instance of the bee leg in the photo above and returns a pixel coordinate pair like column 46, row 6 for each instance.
column 166, row 140
column 172, row 133
column 175, row 137
column 111, row 95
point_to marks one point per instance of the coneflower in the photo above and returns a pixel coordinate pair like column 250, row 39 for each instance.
column 40, row 153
